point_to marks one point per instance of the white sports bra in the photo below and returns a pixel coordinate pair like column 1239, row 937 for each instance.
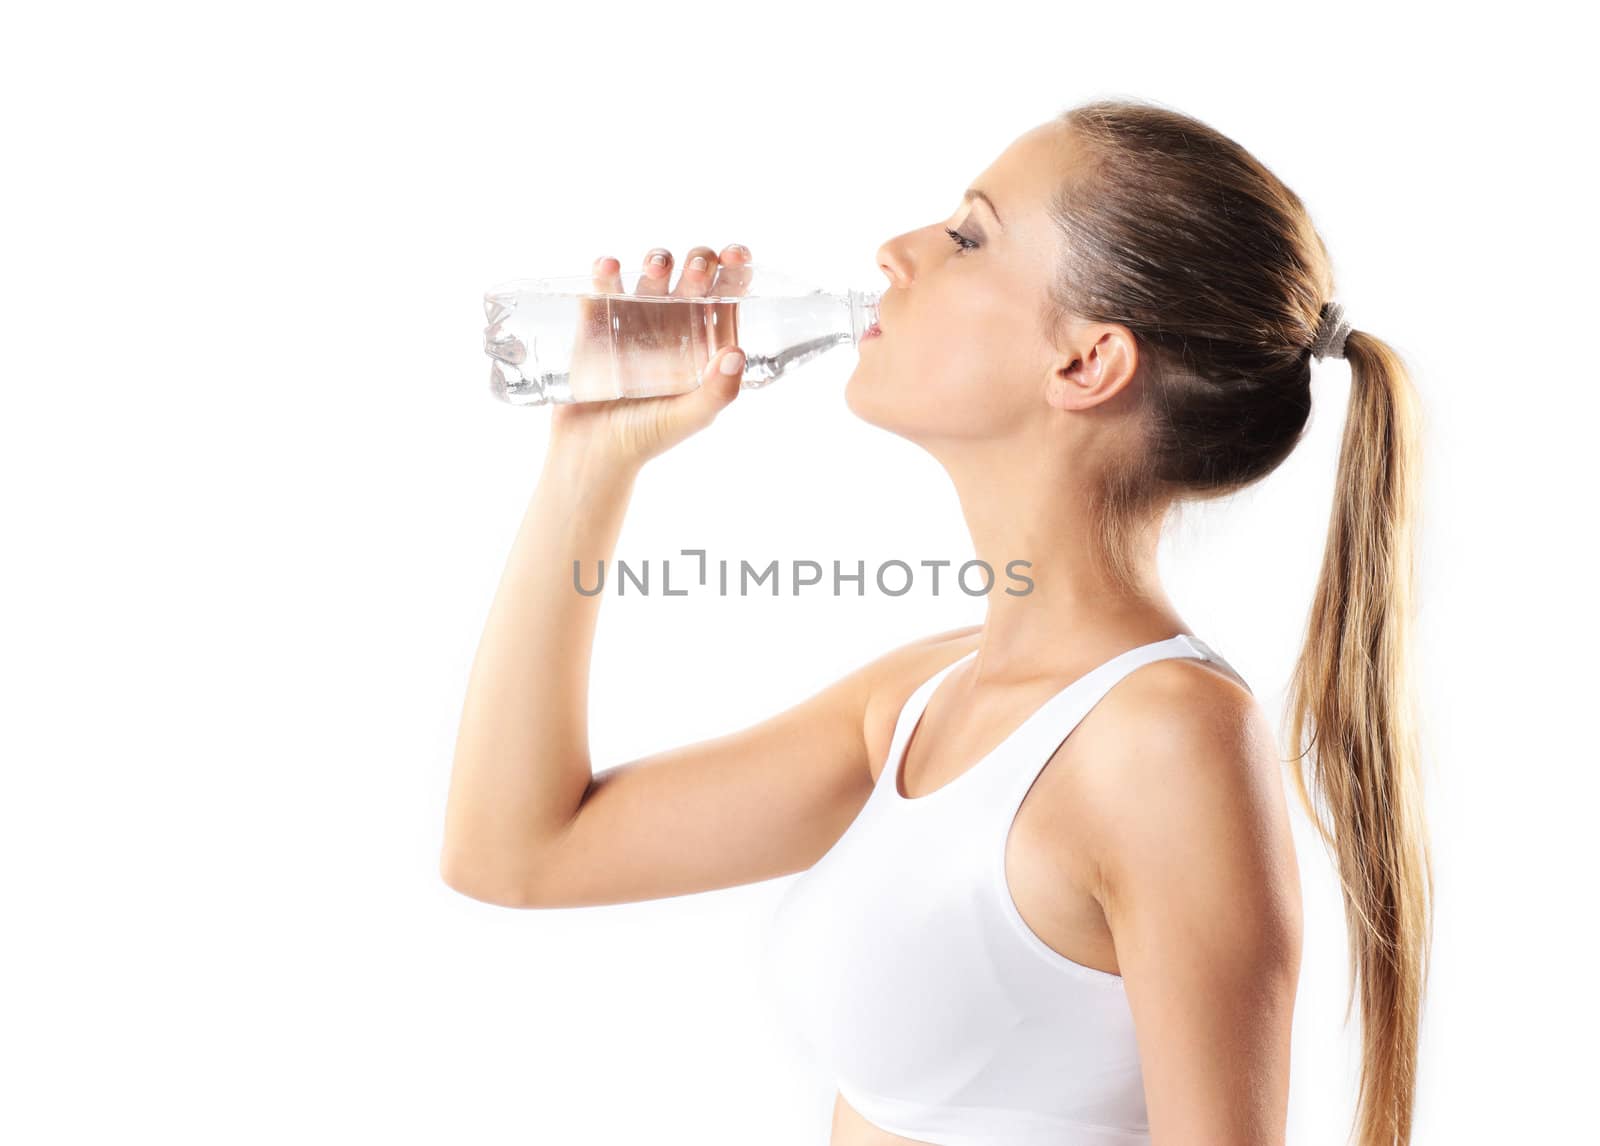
column 916, row 985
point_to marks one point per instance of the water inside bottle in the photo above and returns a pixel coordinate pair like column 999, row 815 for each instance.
column 561, row 341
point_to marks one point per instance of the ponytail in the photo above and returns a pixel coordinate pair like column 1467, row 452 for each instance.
column 1351, row 689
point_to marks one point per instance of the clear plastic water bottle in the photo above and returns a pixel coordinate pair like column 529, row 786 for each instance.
column 559, row 340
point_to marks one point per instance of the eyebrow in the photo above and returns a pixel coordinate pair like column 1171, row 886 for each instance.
column 973, row 193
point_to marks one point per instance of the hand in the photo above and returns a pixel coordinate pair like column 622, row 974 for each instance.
column 629, row 431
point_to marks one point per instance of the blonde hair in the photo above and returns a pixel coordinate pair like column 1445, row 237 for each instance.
column 1173, row 230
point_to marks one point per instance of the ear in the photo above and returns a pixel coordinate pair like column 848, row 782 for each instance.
column 1097, row 361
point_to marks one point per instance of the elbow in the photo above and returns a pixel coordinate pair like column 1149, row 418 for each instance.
column 474, row 883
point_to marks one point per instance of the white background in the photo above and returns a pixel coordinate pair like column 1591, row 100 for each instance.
column 257, row 497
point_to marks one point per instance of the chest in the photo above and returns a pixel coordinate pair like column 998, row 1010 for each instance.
column 940, row 960
column 1048, row 866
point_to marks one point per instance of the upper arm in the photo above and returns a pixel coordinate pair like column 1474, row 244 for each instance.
column 1201, row 892
column 761, row 802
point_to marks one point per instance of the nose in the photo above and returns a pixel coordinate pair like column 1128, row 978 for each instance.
column 892, row 264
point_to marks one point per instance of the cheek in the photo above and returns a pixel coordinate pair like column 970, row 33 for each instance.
column 967, row 362
column 965, row 366
column 954, row 389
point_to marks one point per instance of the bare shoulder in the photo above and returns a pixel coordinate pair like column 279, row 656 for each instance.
column 1178, row 720
column 1182, row 798
column 893, row 677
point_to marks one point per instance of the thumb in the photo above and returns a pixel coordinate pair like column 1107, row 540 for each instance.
column 723, row 377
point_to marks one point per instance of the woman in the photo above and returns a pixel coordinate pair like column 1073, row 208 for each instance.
column 1057, row 898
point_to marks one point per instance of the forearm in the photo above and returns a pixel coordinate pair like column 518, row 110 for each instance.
column 521, row 762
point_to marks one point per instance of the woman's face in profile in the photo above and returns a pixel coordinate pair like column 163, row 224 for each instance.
column 963, row 352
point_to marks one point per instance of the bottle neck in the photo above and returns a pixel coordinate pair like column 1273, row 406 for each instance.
column 863, row 306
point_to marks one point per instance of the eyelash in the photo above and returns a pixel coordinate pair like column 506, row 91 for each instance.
column 960, row 240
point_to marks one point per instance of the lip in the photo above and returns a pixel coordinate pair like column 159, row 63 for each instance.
column 872, row 331
column 880, row 311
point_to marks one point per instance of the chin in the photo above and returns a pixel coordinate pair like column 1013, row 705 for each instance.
column 873, row 401
column 861, row 400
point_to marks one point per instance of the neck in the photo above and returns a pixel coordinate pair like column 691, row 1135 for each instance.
column 1018, row 509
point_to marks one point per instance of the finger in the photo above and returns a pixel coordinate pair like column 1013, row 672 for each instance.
column 655, row 275
column 699, row 266
column 733, row 270
column 608, row 275
column 717, row 387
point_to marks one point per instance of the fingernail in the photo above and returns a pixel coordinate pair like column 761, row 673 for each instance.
column 742, row 249
column 732, row 363
column 698, row 262
column 658, row 259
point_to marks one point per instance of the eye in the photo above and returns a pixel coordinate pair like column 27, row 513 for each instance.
column 960, row 240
